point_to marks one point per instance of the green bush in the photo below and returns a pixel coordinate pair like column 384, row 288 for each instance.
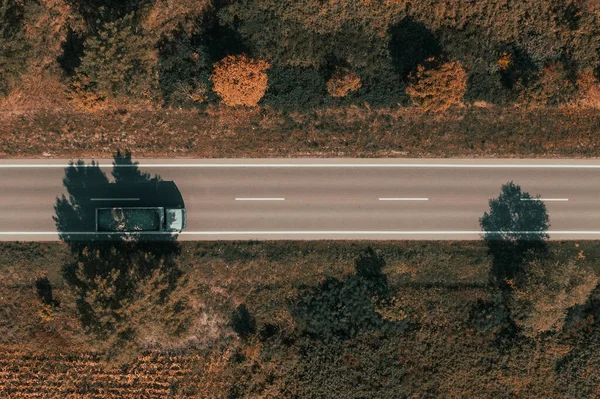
column 292, row 88
column 344, row 308
column 183, row 68
column 118, row 62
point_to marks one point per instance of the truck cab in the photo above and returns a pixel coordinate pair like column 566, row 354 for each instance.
column 175, row 220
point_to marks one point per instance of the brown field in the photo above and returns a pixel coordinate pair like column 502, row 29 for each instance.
column 46, row 353
column 25, row 374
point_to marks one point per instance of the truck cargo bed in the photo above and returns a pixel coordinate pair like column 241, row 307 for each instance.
column 129, row 219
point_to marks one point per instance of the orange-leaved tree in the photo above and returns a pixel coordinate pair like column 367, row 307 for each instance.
column 342, row 82
column 240, row 80
column 437, row 87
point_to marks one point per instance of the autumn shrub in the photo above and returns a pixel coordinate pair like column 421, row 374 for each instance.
column 46, row 27
column 437, row 88
column 47, row 23
column 543, row 291
column 167, row 17
column 589, row 90
column 13, row 46
column 556, row 85
column 118, row 62
column 239, row 80
column 343, row 82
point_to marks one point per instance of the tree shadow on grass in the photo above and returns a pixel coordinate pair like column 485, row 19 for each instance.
column 411, row 43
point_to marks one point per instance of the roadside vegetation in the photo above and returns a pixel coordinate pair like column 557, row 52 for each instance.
column 302, row 319
column 299, row 78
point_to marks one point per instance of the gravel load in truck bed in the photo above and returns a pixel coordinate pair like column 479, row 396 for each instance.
column 123, row 219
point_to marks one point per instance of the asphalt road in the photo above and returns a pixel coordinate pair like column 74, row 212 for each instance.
column 370, row 199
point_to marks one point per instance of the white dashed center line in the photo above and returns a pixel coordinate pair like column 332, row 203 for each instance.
column 403, row 199
column 260, row 199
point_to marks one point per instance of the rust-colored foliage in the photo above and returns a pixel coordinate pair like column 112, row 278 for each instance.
column 240, row 80
column 589, row 89
column 166, row 16
column 505, row 61
column 342, row 82
column 438, row 88
column 553, row 87
column 542, row 293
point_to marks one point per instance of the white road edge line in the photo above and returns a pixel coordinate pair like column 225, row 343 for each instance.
column 403, row 199
column 302, row 165
column 325, row 232
column 260, row 199
column 544, row 199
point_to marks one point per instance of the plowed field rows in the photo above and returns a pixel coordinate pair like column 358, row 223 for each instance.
column 154, row 375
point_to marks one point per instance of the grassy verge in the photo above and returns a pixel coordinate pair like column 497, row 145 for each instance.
column 442, row 354
column 262, row 275
column 348, row 132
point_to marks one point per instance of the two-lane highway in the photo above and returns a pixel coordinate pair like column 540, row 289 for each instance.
column 326, row 198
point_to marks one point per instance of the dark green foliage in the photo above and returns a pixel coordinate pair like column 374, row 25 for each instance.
column 292, row 88
column 344, row 308
column 118, row 62
column 492, row 318
column 382, row 42
column 456, row 347
column 340, row 308
column 243, row 322
column 294, row 46
column 96, row 13
column 366, row 367
column 577, row 370
column 382, row 87
column 221, row 41
column 13, row 45
column 183, row 68
column 107, row 275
